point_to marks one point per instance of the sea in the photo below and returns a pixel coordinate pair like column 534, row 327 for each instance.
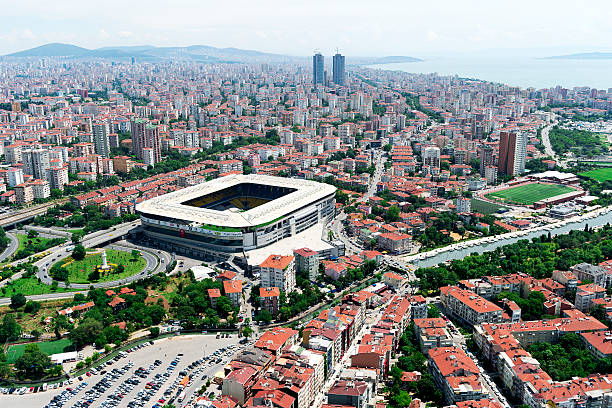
column 516, row 71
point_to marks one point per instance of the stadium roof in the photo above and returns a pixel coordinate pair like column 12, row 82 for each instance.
column 170, row 205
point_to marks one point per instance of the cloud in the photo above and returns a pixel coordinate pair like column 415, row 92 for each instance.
column 103, row 34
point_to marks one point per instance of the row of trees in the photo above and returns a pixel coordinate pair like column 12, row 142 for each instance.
column 537, row 258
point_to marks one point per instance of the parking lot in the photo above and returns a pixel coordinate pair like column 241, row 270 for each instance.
column 141, row 377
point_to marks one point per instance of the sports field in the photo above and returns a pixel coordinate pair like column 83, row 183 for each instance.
column 484, row 207
column 47, row 347
column 603, row 174
column 528, row 194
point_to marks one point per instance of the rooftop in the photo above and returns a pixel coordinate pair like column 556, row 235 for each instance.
column 172, row 205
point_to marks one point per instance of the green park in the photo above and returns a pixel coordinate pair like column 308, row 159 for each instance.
column 121, row 265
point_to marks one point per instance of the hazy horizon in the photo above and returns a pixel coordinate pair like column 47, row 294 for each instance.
column 356, row 28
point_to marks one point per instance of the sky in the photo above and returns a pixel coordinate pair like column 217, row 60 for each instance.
column 298, row 27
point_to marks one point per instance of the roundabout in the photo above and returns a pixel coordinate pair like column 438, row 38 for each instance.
column 103, row 265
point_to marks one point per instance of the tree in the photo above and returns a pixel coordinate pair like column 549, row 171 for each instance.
column 86, row 333
column 9, row 329
column 432, row 311
column 154, row 331
column 120, row 268
column 387, row 147
column 247, row 331
column 77, row 236
column 79, row 252
column 392, row 214
column 5, row 370
column 32, row 307
column 18, row 300
column 32, row 363
column 135, row 254
column 32, row 234
column 60, row 322
column 59, row 273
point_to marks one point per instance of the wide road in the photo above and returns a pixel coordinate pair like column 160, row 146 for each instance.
column 11, row 248
column 336, row 225
column 27, row 213
column 548, row 147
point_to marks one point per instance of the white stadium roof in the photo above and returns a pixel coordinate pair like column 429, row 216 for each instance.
column 169, row 205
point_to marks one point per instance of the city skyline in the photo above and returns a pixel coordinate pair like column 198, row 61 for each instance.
column 366, row 31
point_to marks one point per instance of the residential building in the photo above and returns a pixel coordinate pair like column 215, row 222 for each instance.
column 307, row 262
column 317, row 69
column 338, row 69
column 101, row 139
column 278, row 271
column 512, row 153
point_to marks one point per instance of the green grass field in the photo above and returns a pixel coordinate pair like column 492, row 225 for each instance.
column 484, row 207
column 42, row 243
column 29, row 286
column 47, row 347
column 603, row 174
column 78, row 271
column 528, row 194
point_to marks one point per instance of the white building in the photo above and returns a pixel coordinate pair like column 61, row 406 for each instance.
column 15, row 176
column 100, row 138
column 278, row 271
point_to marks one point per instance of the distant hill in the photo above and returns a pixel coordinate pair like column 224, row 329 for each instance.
column 52, row 50
column 203, row 53
column 584, row 56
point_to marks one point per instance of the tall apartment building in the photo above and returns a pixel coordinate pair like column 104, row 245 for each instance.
column 278, row 271
column 512, row 153
column 15, row 176
column 464, row 205
column 338, row 69
column 36, row 162
column 145, row 135
column 431, row 156
column 58, row 176
column 101, row 139
column 317, row 69
column 487, row 158
column 307, row 261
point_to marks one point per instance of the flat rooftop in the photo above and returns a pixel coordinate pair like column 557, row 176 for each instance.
column 172, row 205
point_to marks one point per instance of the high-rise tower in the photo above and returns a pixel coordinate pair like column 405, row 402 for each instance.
column 317, row 69
column 338, row 69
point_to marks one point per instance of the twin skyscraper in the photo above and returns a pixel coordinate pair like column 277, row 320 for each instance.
column 318, row 69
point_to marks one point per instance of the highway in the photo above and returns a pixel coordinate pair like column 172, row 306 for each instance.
column 156, row 261
column 11, row 248
column 548, row 147
column 27, row 213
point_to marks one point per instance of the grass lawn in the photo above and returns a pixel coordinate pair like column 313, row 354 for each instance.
column 528, row 194
column 41, row 243
column 600, row 175
column 484, row 207
column 29, row 286
column 47, row 347
column 78, row 271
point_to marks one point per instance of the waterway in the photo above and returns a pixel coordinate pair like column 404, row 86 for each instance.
column 520, row 71
column 485, row 245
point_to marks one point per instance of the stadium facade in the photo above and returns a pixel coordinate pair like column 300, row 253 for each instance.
column 236, row 213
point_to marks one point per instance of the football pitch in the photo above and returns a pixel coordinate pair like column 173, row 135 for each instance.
column 603, row 174
column 13, row 352
column 527, row 194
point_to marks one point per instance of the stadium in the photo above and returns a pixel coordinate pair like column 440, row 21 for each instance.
column 233, row 214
